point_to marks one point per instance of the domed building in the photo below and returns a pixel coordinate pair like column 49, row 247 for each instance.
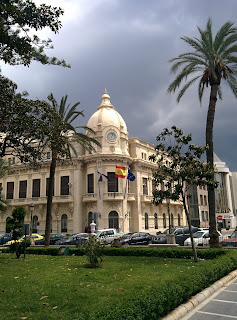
column 94, row 186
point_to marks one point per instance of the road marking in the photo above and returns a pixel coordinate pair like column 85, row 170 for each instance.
column 217, row 314
column 224, row 301
column 230, row 291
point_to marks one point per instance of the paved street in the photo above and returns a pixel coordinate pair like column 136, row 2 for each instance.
column 220, row 306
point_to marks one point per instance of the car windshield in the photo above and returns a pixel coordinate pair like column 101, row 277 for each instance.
column 234, row 235
column 198, row 234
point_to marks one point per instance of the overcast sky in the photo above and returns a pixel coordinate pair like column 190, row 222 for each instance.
column 125, row 45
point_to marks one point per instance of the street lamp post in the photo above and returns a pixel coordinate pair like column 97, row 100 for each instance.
column 57, row 222
column 32, row 207
column 168, row 204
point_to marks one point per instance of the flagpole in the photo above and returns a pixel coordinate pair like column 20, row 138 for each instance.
column 125, row 190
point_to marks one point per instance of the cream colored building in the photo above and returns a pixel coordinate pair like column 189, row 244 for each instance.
column 78, row 195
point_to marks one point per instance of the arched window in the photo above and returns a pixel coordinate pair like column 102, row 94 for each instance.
column 113, row 220
column 155, row 221
column 34, row 224
column 146, row 221
column 172, row 220
column 179, row 219
column 64, row 223
column 164, row 220
column 8, row 227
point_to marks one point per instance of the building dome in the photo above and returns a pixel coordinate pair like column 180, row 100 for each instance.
column 106, row 116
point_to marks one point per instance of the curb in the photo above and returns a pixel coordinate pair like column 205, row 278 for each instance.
column 185, row 308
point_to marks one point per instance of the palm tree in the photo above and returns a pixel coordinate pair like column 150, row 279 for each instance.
column 61, row 135
column 213, row 59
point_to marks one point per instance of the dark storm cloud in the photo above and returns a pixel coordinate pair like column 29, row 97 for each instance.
column 125, row 45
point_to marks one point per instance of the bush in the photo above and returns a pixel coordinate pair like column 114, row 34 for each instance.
column 93, row 251
column 19, row 247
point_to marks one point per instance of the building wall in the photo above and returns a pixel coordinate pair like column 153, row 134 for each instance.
column 130, row 202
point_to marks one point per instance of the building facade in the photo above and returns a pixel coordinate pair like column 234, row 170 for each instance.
column 225, row 214
column 86, row 187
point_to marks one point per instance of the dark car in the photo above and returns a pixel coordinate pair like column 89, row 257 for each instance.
column 121, row 241
column 78, row 238
column 231, row 241
column 181, row 234
column 140, row 238
column 53, row 238
column 5, row 238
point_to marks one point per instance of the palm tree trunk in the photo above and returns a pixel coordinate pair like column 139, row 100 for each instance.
column 214, row 241
column 50, row 198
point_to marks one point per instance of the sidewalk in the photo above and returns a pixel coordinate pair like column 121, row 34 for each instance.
column 218, row 302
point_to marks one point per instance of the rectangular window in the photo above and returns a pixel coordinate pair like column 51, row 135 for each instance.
column 203, row 217
column 64, row 186
column 201, row 200
column 206, row 213
column 48, row 155
column 112, row 182
column 205, row 200
column 47, row 187
column 90, row 183
column 153, row 185
column 144, row 185
column 10, row 190
column 36, row 188
column 22, row 189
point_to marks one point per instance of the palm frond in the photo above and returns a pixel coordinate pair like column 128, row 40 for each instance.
column 219, row 92
column 224, row 31
column 188, row 70
column 185, row 87
column 232, row 82
column 200, row 90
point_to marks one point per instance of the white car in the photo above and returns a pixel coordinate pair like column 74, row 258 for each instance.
column 201, row 238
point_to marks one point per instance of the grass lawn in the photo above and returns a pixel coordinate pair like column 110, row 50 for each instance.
column 47, row 287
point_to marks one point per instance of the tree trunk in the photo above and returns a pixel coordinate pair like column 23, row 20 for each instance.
column 50, row 198
column 189, row 227
column 214, row 240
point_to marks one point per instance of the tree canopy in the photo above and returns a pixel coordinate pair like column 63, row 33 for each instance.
column 18, row 18
column 22, row 121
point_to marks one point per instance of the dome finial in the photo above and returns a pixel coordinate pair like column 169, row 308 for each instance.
column 105, row 91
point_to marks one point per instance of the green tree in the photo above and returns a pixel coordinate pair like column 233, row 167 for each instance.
column 22, row 121
column 16, row 223
column 60, row 139
column 17, row 19
column 178, row 167
column 212, row 59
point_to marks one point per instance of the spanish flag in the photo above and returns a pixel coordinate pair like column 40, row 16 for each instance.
column 120, row 172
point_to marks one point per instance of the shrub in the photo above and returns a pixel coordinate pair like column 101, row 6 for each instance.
column 93, row 251
column 19, row 247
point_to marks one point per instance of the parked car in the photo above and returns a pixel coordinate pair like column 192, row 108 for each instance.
column 108, row 235
column 74, row 239
column 35, row 236
column 5, row 238
column 140, row 238
column 231, row 241
column 181, row 234
column 123, row 240
column 53, row 238
column 201, row 238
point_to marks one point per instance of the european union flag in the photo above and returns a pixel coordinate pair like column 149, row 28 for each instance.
column 130, row 176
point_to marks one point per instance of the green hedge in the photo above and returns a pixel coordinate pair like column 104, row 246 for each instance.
column 180, row 253
column 158, row 302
